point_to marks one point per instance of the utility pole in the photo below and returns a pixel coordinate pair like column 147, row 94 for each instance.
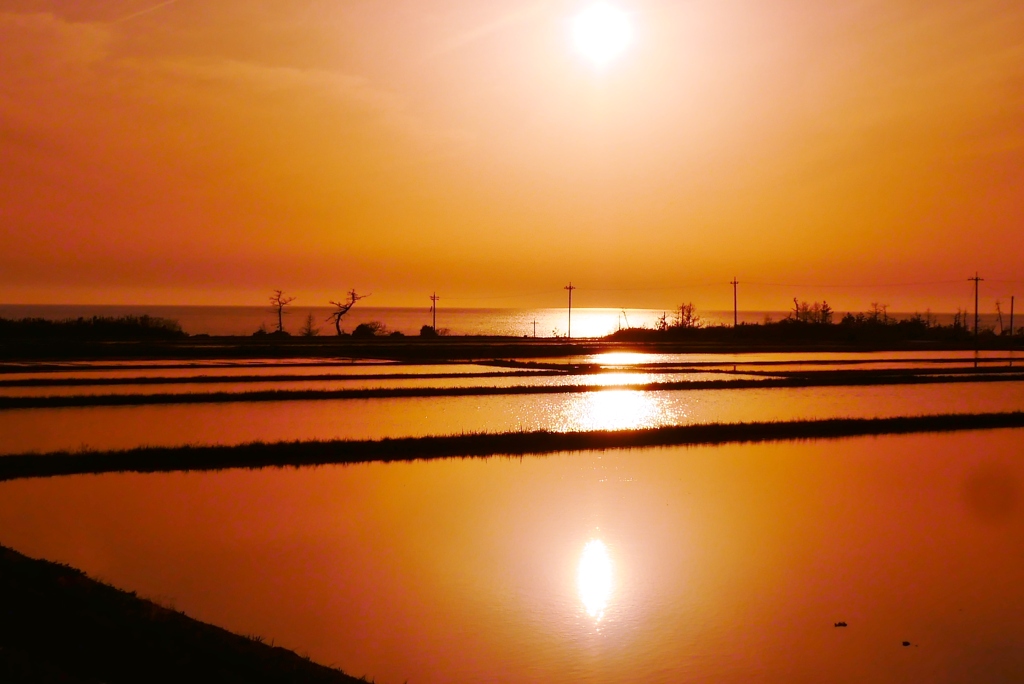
column 1011, row 330
column 976, row 280
column 433, row 311
column 735, row 311
column 570, row 287
column 534, row 327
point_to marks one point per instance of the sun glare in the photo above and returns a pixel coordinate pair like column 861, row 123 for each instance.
column 594, row 578
column 601, row 32
column 614, row 409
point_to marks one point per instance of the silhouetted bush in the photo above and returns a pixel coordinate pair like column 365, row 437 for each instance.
column 371, row 329
column 428, row 331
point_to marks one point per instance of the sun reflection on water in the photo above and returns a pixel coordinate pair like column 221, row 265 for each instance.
column 594, row 578
column 615, row 410
column 620, row 358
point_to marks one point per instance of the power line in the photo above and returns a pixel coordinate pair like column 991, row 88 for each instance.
column 543, row 293
column 750, row 283
column 682, row 286
column 847, row 286
column 653, row 289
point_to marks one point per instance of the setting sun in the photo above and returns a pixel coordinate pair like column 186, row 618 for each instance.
column 601, row 32
column 355, row 328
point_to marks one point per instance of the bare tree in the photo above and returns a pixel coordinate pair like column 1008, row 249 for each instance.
column 819, row 313
column 279, row 301
column 342, row 308
column 687, row 317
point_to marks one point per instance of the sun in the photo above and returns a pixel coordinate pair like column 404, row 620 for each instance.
column 601, row 33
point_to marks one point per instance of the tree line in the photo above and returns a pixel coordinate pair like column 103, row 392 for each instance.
column 816, row 322
column 94, row 328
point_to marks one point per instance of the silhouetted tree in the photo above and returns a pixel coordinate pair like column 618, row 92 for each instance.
column 960, row 319
column 687, row 316
column 308, row 329
column 279, row 301
column 342, row 308
column 818, row 313
column 879, row 313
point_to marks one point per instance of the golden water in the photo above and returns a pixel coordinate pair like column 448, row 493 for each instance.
column 724, row 564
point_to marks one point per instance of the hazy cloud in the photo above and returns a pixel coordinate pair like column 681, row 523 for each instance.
column 487, row 29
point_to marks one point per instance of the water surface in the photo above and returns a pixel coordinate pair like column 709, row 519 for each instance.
column 576, row 380
column 612, row 409
column 717, row 564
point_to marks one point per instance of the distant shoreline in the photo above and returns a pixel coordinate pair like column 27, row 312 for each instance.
column 243, row 320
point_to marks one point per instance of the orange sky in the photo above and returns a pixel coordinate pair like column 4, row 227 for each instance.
column 207, row 152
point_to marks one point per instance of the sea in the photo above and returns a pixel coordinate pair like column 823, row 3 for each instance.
column 536, row 322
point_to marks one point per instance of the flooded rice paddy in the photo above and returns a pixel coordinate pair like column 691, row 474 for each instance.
column 895, row 357
column 123, row 427
column 726, row 563
column 484, row 379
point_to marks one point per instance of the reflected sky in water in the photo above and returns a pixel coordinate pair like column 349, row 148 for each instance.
column 632, row 358
column 587, row 379
column 228, row 372
column 124, row 427
column 719, row 564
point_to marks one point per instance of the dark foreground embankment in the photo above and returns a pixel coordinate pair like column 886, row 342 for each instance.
column 308, row 453
column 57, row 625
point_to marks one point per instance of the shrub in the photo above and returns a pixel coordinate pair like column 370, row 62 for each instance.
column 371, row 329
